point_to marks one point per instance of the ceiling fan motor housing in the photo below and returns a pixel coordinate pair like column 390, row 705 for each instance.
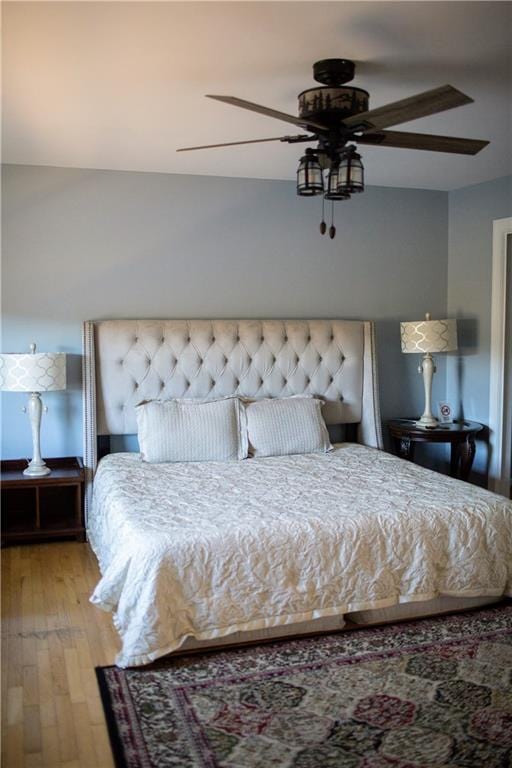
column 330, row 104
column 334, row 71
column 333, row 103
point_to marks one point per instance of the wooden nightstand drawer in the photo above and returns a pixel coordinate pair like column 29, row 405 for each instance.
column 42, row 508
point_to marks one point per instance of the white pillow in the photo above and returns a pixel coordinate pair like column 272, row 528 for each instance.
column 192, row 430
column 281, row 426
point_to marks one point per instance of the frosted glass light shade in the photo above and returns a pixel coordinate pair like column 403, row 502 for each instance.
column 429, row 335
column 33, row 372
column 310, row 180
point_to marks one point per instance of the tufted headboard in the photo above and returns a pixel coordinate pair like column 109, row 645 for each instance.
column 127, row 361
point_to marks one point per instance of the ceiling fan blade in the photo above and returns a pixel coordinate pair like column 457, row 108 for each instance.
column 309, row 124
column 290, row 139
column 423, row 141
column 421, row 105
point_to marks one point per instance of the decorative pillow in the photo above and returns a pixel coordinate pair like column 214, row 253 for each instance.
column 192, row 430
column 281, row 426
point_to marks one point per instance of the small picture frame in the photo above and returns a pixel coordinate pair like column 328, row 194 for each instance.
column 445, row 412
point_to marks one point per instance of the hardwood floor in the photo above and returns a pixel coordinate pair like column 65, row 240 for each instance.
column 52, row 638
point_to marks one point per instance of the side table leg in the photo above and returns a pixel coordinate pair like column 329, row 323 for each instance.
column 404, row 447
column 454, row 460
column 467, row 454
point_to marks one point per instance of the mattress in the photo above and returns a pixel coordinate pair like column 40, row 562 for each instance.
column 206, row 550
column 323, row 624
column 401, row 612
column 416, row 610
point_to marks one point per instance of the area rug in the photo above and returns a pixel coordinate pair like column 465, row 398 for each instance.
column 432, row 692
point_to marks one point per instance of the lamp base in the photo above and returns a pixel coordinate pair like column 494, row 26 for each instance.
column 427, row 422
column 36, row 470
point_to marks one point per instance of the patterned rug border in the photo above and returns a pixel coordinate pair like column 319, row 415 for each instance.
column 339, row 660
column 138, row 760
column 116, row 744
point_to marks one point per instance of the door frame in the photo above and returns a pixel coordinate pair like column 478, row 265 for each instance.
column 499, row 423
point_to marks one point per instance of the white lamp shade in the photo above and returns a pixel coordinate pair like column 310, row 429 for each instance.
column 38, row 372
column 429, row 336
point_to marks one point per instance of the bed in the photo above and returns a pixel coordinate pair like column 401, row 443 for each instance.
column 202, row 554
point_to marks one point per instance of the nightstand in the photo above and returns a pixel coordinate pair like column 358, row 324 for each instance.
column 460, row 434
column 41, row 508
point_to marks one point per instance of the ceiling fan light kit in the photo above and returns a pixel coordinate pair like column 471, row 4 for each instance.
column 310, row 180
column 351, row 173
column 333, row 191
column 335, row 114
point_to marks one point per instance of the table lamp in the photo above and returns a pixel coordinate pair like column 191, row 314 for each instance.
column 428, row 336
column 33, row 372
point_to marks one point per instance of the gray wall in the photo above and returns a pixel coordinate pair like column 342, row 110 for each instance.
column 83, row 244
column 471, row 214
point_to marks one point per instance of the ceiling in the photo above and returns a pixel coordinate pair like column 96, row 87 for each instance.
column 121, row 85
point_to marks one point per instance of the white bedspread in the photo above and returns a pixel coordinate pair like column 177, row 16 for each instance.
column 207, row 549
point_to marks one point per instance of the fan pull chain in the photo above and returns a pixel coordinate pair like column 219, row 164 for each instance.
column 323, row 225
column 332, row 228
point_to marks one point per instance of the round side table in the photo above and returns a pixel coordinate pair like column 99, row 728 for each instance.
column 460, row 434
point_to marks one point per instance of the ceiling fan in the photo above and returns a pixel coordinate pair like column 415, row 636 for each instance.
column 337, row 117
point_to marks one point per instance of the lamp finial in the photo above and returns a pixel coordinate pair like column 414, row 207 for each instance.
column 427, row 315
column 32, row 349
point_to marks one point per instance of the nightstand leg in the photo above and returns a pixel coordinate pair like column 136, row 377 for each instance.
column 467, row 454
column 454, row 460
column 404, row 447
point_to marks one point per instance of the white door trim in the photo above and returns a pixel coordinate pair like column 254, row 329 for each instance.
column 499, row 423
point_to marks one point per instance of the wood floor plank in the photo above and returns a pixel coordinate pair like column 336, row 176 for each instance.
column 14, row 670
column 32, row 742
column 40, row 625
column 65, row 725
column 13, row 619
column 57, row 663
column 15, row 706
column 76, row 691
column 51, row 752
column 101, row 746
column 46, row 702
column 14, row 746
column 33, row 760
column 85, row 744
column 52, row 640
column 30, row 685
